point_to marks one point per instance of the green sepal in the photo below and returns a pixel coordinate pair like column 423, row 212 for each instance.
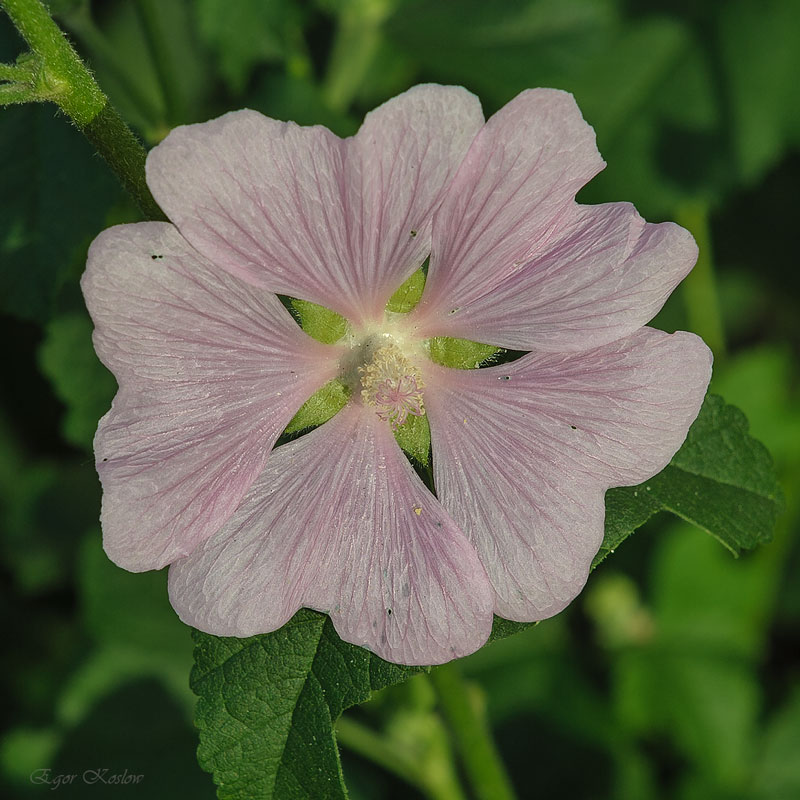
column 320, row 323
column 408, row 295
column 414, row 436
column 320, row 407
column 460, row 353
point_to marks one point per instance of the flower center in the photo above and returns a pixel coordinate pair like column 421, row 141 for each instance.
column 392, row 386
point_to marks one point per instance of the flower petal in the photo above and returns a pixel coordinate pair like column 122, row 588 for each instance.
column 508, row 198
column 606, row 274
column 340, row 522
column 301, row 212
column 210, row 372
column 523, row 453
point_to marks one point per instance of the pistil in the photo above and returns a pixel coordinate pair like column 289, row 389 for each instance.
column 392, row 386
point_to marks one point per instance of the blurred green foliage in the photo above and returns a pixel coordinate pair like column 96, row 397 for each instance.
column 675, row 675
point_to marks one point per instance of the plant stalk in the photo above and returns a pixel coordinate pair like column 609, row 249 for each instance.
column 471, row 734
column 356, row 42
column 699, row 287
column 435, row 784
column 63, row 78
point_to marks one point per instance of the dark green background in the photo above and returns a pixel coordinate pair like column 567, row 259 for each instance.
column 675, row 674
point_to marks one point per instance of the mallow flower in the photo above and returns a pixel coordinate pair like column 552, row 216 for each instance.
column 212, row 368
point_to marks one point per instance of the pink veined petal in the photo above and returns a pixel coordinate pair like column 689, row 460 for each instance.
column 524, row 451
column 606, row 274
column 304, row 213
column 508, row 199
column 340, row 522
column 210, row 372
column 400, row 162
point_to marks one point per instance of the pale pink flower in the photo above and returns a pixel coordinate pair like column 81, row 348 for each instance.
column 211, row 368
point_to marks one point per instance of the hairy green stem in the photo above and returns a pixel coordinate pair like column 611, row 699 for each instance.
column 123, row 152
column 15, row 72
column 63, row 78
column 471, row 733
column 700, row 288
column 14, row 93
column 73, row 88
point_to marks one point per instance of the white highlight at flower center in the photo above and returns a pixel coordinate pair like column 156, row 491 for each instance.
column 392, row 385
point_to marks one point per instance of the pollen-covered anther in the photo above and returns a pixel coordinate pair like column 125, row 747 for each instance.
column 392, row 386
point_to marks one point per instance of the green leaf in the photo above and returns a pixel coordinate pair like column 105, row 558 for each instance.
column 762, row 381
column 79, row 380
column 319, row 322
column 721, row 480
column 320, row 407
column 460, row 353
column 408, row 295
column 267, row 706
column 503, row 628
